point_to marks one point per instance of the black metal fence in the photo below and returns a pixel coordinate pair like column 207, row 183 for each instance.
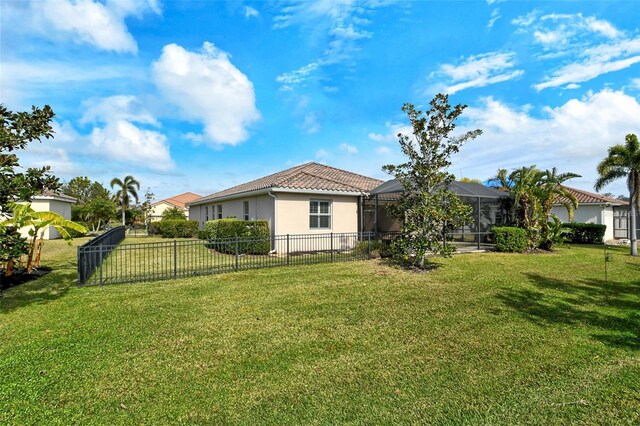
column 92, row 254
column 100, row 264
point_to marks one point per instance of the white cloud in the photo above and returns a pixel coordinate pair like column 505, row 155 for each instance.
column 122, row 141
column 478, row 71
column 336, row 26
column 322, row 154
column 635, row 82
column 495, row 15
column 115, row 108
column 348, row 149
column 391, row 134
column 90, row 22
column 250, row 12
column 311, row 123
column 298, row 76
column 573, row 137
column 206, row 87
column 592, row 46
column 572, row 86
column 383, row 150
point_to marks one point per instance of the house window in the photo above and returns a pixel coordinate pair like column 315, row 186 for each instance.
column 319, row 214
column 219, row 211
column 245, row 208
column 206, row 213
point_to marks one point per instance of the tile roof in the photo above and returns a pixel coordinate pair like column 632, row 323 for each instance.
column 309, row 176
column 58, row 195
column 180, row 200
column 586, row 197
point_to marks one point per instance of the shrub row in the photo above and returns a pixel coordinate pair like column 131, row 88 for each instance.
column 510, row 239
column 586, row 233
column 174, row 228
column 254, row 235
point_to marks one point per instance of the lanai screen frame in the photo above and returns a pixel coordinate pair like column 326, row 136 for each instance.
column 474, row 194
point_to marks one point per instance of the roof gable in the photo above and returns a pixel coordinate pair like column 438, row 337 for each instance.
column 586, row 197
column 180, row 200
column 309, row 176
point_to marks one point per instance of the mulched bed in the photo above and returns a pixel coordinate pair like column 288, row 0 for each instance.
column 18, row 278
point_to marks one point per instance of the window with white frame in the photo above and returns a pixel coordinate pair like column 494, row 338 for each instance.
column 219, row 211
column 245, row 208
column 320, row 214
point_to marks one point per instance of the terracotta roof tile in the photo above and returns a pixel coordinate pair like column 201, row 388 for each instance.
column 310, row 176
column 180, row 200
column 586, row 197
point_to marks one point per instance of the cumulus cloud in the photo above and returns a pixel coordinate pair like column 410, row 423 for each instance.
column 115, row 108
column 250, row 12
column 477, row 71
column 206, row 87
column 91, row 22
column 573, row 136
column 123, row 141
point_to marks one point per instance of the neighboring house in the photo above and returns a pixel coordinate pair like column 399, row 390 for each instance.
column 596, row 208
column 179, row 201
column 306, row 199
column 51, row 202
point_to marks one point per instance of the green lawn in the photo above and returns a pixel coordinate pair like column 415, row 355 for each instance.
column 484, row 339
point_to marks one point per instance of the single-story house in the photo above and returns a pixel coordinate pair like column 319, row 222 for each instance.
column 305, row 199
column 179, row 201
column 51, row 202
column 596, row 208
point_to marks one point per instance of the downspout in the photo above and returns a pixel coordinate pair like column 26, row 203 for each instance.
column 275, row 212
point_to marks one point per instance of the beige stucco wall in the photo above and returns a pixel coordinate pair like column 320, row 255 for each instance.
column 293, row 213
column 156, row 211
column 63, row 208
column 260, row 208
column 599, row 214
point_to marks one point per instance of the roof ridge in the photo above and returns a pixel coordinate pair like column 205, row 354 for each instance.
column 326, row 178
column 343, row 170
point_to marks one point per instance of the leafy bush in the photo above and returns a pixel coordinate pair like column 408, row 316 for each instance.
column 154, row 228
column 586, row 233
column 375, row 248
column 177, row 228
column 173, row 213
column 254, row 236
column 510, row 239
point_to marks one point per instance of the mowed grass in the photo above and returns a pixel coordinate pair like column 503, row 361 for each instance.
column 483, row 339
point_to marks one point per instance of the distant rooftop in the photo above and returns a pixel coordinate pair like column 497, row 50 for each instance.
column 180, row 200
column 464, row 189
column 586, row 197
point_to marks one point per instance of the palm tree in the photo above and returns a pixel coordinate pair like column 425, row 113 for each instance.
column 501, row 181
column 550, row 192
column 128, row 188
column 623, row 161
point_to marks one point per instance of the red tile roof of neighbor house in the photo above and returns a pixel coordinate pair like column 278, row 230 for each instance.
column 586, row 197
column 308, row 176
column 179, row 200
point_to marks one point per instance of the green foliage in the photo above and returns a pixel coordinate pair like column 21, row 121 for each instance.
column 180, row 228
column 84, row 191
column 79, row 233
column 153, row 228
column 375, row 248
column 555, row 233
column 12, row 248
column 254, row 235
column 586, row 233
column 510, row 239
column 427, row 208
column 173, row 213
column 535, row 192
column 127, row 190
column 17, row 130
column 623, row 162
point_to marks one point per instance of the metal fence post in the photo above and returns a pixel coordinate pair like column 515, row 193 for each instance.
column 236, row 253
column 287, row 249
column 100, row 263
column 79, row 267
column 331, row 236
column 175, row 259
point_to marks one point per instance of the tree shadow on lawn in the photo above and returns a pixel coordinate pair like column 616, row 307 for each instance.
column 611, row 310
column 44, row 289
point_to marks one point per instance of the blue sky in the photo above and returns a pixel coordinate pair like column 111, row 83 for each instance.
column 200, row 96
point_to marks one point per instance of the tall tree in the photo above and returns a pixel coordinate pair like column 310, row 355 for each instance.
column 623, row 161
column 17, row 130
column 127, row 189
column 427, row 208
column 550, row 191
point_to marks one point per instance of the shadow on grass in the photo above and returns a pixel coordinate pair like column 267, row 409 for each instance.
column 610, row 310
column 45, row 289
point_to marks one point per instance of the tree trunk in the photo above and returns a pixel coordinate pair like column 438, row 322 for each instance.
column 31, row 251
column 632, row 213
column 123, row 216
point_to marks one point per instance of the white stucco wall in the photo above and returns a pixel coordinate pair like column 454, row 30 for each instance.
column 156, row 211
column 600, row 214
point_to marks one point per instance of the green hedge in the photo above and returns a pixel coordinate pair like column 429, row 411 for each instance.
column 254, row 236
column 586, row 233
column 176, row 228
column 510, row 239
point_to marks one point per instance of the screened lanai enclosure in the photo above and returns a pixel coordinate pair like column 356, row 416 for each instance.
column 491, row 207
